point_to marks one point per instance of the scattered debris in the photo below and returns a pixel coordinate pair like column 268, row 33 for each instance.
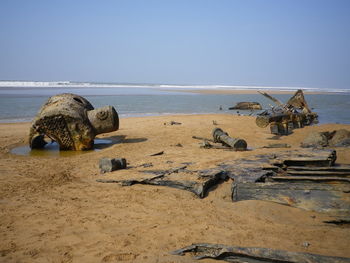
column 111, row 164
column 285, row 117
column 337, row 138
column 215, row 123
column 158, row 153
column 246, row 106
column 253, row 254
column 172, row 123
column 299, row 178
column 179, row 178
column 146, row 165
column 72, row 122
column 177, row 145
column 222, row 137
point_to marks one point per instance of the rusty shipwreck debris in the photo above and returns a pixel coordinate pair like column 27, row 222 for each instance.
column 308, row 180
column 235, row 143
column 197, row 182
column 253, row 254
column 283, row 118
column 305, row 178
column 72, row 122
column 246, row 105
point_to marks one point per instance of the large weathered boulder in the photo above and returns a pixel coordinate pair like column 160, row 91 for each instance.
column 72, row 122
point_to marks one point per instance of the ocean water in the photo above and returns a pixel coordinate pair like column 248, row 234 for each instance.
column 21, row 104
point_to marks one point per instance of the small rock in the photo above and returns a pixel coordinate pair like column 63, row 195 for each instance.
column 111, row 164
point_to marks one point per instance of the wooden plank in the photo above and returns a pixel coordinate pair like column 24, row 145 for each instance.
column 333, row 199
column 253, row 254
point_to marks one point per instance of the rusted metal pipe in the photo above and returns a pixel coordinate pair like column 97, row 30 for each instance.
column 222, row 137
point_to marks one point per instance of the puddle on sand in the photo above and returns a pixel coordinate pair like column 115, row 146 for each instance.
column 52, row 149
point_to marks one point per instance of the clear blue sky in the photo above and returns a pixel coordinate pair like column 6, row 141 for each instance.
column 272, row 43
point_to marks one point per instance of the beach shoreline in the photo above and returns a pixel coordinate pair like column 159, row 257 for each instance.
column 248, row 91
column 52, row 207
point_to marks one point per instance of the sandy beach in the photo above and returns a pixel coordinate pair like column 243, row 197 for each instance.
column 53, row 210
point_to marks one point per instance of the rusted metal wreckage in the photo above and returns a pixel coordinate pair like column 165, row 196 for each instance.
column 307, row 179
column 246, row 105
column 253, row 254
column 72, row 122
column 283, row 118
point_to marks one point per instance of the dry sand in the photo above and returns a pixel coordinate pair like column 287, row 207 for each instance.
column 53, row 210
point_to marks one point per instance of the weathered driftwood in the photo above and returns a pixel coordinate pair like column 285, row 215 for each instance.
column 199, row 185
column 254, row 254
column 328, row 198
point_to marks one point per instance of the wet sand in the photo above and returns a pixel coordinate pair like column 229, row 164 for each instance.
column 53, row 210
column 246, row 91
